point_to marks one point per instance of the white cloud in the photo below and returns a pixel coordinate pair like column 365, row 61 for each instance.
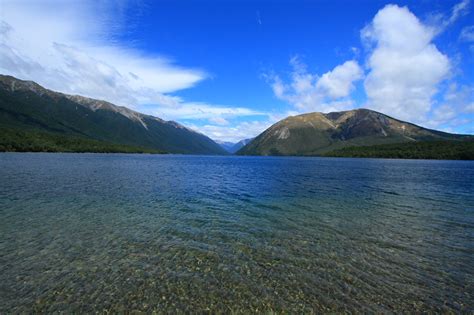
column 67, row 46
column 453, row 111
column 219, row 121
column 440, row 21
column 239, row 130
column 405, row 67
column 311, row 92
column 219, row 118
column 405, row 72
column 199, row 111
column 460, row 9
column 470, row 108
column 467, row 34
column 338, row 83
column 234, row 133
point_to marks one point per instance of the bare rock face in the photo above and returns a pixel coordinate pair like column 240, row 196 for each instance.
column 318, row 133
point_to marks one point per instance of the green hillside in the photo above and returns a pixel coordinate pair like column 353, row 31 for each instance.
column 316, row 134
column 29, row 107
column 442, row 150
column 16, row 140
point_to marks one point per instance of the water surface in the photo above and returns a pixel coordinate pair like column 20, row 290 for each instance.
column 94, row 232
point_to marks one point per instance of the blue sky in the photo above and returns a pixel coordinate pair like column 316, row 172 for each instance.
column 230, row 69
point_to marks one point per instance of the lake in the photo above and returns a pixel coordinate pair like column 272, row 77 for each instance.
column 94, row 232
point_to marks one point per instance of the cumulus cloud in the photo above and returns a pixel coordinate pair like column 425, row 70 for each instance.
column 405, row 72
column 338, row 83
column 70, row 46
column 405, row 67
column 307, row 91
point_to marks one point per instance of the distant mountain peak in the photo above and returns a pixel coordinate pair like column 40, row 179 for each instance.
column 233, row 147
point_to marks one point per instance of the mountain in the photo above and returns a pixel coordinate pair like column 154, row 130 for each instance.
column 55, row 117
column 319, row 133
column 237, row 146
column 226, row 145
column 233, row 147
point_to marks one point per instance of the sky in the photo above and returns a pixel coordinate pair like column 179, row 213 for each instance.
column 230, row 69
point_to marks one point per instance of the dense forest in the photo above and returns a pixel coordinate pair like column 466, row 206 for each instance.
column 16, row 140
column 442, row 150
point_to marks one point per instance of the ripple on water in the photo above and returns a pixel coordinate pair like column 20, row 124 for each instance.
column 93, row 232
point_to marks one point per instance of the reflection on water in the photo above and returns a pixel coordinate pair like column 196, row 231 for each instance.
column 93, row 232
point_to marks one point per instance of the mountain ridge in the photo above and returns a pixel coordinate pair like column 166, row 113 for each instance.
column 28, row 105
column 319, row 133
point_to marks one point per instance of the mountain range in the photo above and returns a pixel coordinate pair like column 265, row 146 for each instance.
column 50, row 117
column 33, row 118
